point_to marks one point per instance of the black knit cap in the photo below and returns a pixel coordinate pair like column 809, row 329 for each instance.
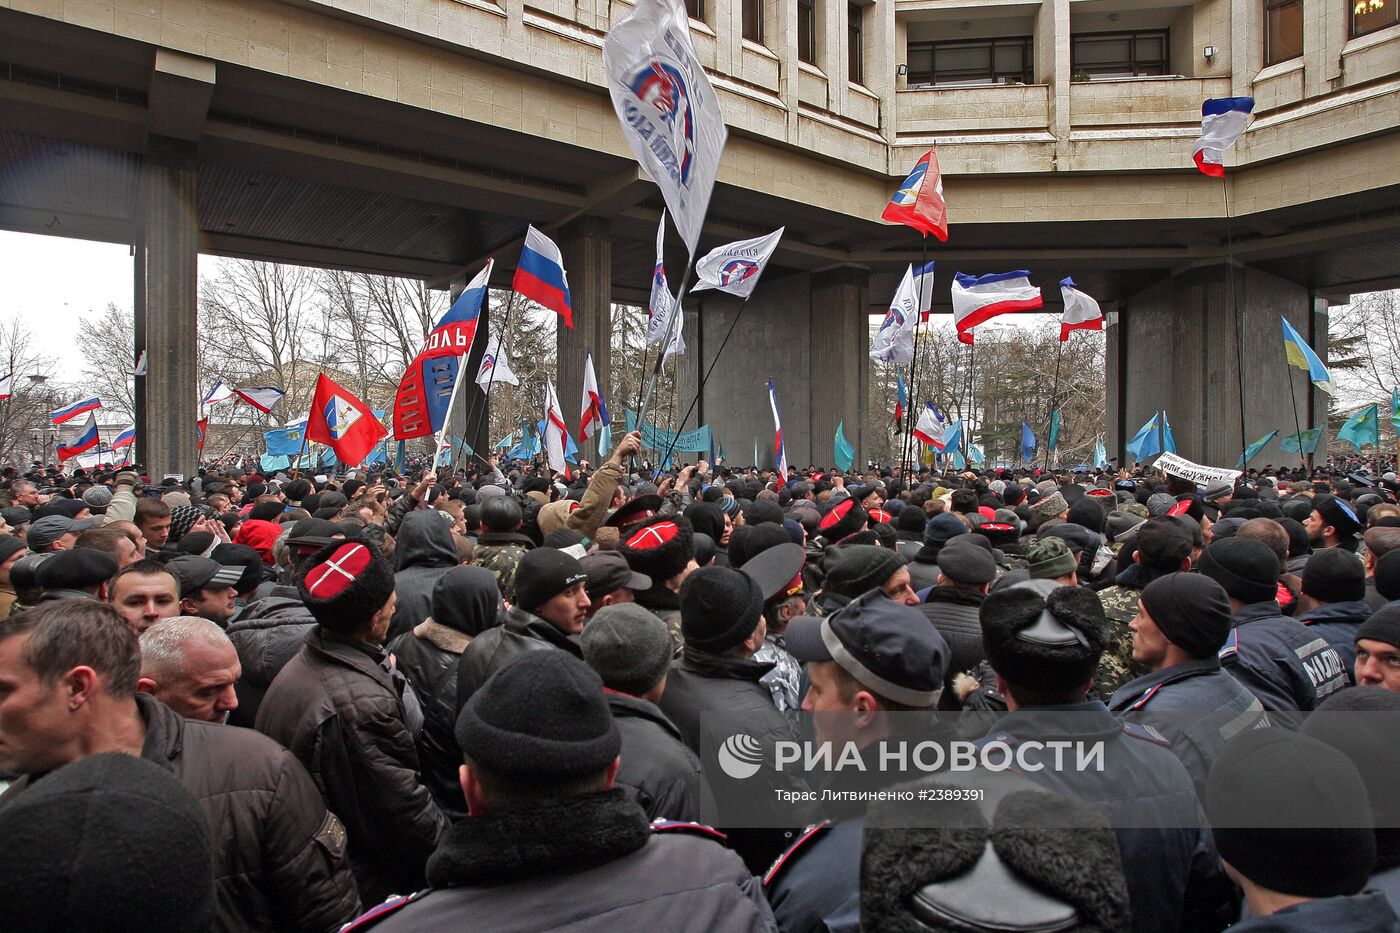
column 541, row 716
column 1192, row 611
column 544, row 573
column 1333, row 575
column 720, row 607
column 266, row 511
column 748, row 541
column 109, row 842
column 1387, row 575
column 967, row 563
column 1382, row 626
column 1368, row 740
column 852, row 569
column 1052, row 643
column 345, row 583
column 77, row 569
column 1245, row 567
column 660, row 547
column 842, row 519
column 1265, row 777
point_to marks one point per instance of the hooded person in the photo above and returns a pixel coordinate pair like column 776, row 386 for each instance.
column 424, row 550
column 1276, row 658
column 708, row 518
column 1293, row 824
column 466, row 602
column 1182, row 622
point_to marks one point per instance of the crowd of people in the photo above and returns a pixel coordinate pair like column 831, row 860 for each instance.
column 485, row 698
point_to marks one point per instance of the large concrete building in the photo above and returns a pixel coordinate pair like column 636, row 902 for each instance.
column 418, row 137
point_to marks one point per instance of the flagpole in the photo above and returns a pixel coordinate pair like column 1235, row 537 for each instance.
column 907, row 449
column 1054, row 394
column 1235, row 310
column 485, row 413
column 1297, row 425
column 699, row 392
column 673, row 316
column 296, row 470
column 971, row 391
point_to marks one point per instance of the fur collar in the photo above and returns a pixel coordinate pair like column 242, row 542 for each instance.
column 549, row 837
column 441, row 636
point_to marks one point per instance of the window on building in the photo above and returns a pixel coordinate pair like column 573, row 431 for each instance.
column 807, row 31
column 752, row 11
column 855, row 41
column 970, row 61
column 1283, row 30
column 1119, row 54
column 696, row 9
column 1370, row 15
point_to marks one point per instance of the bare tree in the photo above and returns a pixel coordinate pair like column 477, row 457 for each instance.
column 106, row 339
column 25, row 429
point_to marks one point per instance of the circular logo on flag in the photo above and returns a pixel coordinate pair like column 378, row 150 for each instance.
column 340, row 416
column 662, row 86
column 909, row 191
column 737, row 270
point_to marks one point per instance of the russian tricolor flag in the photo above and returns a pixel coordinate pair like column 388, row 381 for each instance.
column 540, row 276
column 1223, row 121
column 779, row 451
column 85, row 441
column 124, row 439
column 979, row 298
column 76, row 409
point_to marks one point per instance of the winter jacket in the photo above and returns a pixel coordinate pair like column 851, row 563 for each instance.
column 1368, row 912
column 262, row 536
column 423, row 552
column 335, row 707
column 711, row 697
column 500, row 553
column 466, row 602
column 584, row 864
column 279, row 854
column 1278, row 660
column 1169, row 857
column 593, row 506
column 665, row 604
column 954, row 612
column 657, row 770
column 267, row 634
column 398, row 510
column 1196, row 706
column 1338, row 622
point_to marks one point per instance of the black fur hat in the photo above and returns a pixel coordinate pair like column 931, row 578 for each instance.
column 345, row 583
column 660, row 547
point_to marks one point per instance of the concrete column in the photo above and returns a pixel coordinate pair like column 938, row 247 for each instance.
column 1175, row 350
column 170, row 258
column 1052, row 66
column 840, row 383
column 138, row 319
column 588, row 259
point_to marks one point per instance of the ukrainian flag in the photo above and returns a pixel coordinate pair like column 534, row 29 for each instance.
column 1299, row 354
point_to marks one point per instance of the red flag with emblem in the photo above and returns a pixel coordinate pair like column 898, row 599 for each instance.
column 342, row 422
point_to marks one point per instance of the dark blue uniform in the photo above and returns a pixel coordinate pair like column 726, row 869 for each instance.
column 1338, row 622
column 1196, row 706
column 1168, row 854
column 815, row 885
column 1364, row 913
column 1279, row 661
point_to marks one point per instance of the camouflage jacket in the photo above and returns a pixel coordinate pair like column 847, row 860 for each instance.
column 500, row 553
column 1120, row 605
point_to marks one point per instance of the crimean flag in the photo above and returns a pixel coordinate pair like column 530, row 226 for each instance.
column 263, row 398
column 7, row 386
column 219, row 393
column 425, row 391
column 201, row 432
column 979, row 298
column 1300, row 355
column 931, row 428
column 1223, row 122
column 540, row 276
column 342, row 422
column 1082, row 312
column 919, row 201
column 76, row 409
column 779, row 451
column 85, row 441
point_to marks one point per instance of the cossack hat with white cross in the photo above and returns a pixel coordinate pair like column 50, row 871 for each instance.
column 345, row 583
column 660, row 547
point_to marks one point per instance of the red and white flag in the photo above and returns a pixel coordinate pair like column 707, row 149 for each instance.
column 556, row 433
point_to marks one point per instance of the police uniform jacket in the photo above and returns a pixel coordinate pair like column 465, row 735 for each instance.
column 1279, row 661
column 657, row 770
column 1169, row 857
column 1196, row 706
column 1338, row 622
column 590, row 863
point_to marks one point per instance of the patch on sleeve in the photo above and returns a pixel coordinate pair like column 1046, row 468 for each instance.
column 331, row 836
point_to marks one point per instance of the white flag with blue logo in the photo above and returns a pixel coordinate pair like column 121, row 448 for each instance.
column 735, row 267
column 666, row 107
column 494, row 366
